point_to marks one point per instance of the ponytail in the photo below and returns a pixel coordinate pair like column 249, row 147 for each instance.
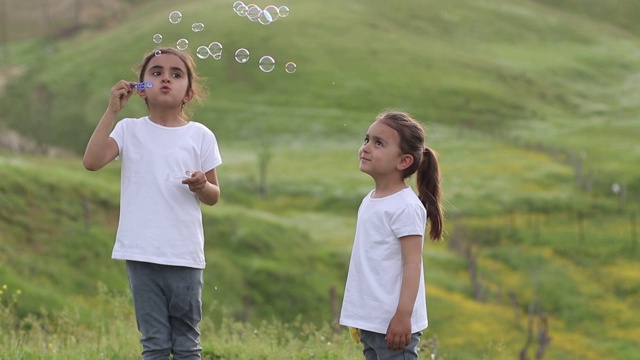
column 425, row 164
column 428, row 183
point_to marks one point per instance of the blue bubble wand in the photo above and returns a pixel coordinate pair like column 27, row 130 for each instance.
column 143, row 85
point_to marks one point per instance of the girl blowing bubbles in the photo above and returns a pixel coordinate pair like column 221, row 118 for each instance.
column 168, row 168
column 384, row 302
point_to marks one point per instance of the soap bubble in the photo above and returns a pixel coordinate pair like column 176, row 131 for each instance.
column 175, row 17
column 267, row 64
column 197, row 27
column 265, row 18
column 253, row 12
column 203, row 52
column 242, row 55
column 215, row 48
column 182, row 44
column 242, row 10
column 157, row 38
column 158, row 52
column 272, row 11
column 283, row 11
column 237, row 5
column 290, row 67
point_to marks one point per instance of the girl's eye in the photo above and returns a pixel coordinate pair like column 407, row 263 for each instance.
column 177, row 76
column 366, row 140
column 155, row 73
column 378, row 143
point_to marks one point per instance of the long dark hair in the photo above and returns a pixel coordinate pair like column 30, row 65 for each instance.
column 425, row 165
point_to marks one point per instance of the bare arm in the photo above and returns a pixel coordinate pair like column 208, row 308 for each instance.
column 399, row 330
column 205, row 185
column 101, row 149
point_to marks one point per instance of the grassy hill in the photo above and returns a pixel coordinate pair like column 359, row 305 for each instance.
column 532, row 106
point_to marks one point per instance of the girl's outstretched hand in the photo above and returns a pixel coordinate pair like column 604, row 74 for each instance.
column 120, row 94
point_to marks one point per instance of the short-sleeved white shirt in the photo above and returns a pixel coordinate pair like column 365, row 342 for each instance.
column 374, row 280
column 160, row 218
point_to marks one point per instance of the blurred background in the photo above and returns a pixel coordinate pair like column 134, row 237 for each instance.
column 532, row 105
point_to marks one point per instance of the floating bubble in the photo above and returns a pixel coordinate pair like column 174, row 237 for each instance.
column 237, row 5
column 242, row 55
column 283, row 11
column 203, row 52
column 253, row 12
column 182, row 44
column 265, row 18
column 242, row 10
column 157, row 38
column 158, row 52
column 175, row 17
column 290, row 67
column 143, row 85
column 267, row 64
column 215, row 48
column 197, row 27
column 272, row 11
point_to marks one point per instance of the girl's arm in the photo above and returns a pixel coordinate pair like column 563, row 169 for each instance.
column 101, row 149
column 399, row 330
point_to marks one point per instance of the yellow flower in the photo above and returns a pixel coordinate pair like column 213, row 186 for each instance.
column 18, row 292
column 4, row 287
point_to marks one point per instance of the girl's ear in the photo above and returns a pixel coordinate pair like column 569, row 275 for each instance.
column 188, row 97
column 405, row 161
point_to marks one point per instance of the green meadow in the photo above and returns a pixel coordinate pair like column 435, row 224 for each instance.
column 533, row 107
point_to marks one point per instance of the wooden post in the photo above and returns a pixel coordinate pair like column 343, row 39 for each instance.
column 634, row 232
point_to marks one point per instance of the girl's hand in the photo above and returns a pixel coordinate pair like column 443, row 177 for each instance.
column 399, row 332
column 197, row 181
column 120, row 94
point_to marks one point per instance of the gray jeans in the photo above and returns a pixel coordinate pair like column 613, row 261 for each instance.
column 168, row 306
column 375, row 347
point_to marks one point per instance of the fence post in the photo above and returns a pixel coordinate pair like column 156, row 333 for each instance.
column 634, row 231
column 581, row 234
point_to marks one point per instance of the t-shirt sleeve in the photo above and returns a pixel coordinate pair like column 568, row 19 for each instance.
column 211, row 157
column 410, row 220
column 117, row 134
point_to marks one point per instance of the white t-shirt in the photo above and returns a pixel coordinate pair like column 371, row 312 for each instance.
column 160, row 218
column 373, row 284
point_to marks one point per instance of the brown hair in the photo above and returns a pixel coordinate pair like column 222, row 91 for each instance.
column 425, row 164
column 195, row 87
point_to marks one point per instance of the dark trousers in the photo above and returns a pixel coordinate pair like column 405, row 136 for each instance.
column 168, row 305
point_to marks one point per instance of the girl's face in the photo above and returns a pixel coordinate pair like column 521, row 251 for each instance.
column 380, row 153
column 168, row 73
